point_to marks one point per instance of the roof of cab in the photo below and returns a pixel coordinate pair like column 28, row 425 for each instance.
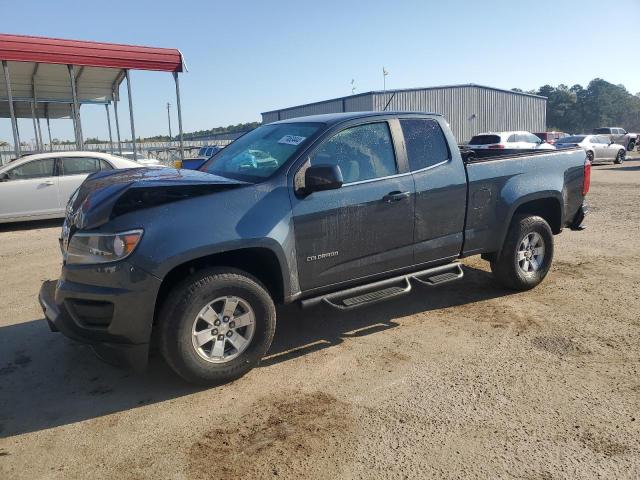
column 332, row 118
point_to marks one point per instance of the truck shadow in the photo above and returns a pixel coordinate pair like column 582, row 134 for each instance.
column 47, row 380
column 31, row 225
column 300, row 332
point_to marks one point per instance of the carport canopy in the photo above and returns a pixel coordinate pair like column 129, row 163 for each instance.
column 51, row 77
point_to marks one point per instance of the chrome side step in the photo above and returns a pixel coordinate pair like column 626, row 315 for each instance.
column 432, row 279
column 386, row 289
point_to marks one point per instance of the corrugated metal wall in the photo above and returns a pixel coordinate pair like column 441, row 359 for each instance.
column 469, row 109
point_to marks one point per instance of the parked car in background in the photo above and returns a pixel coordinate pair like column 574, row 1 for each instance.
column 551, row 137
column 619, row 136
column 598, row 147
column 508, row 141
column 204, row 154
column 38, row 186
column 344, row 209
column 147, row 162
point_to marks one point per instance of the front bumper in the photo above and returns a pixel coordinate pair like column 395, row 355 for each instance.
column 110, row 308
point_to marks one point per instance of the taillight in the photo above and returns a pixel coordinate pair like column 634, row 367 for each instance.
column 497, row 145
column 586, row 183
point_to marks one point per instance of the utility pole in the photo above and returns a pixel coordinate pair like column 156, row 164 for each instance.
column 384, row 79
column 169, row 119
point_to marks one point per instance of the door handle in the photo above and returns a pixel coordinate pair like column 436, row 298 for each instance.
column 395, row 196
column 47, row 182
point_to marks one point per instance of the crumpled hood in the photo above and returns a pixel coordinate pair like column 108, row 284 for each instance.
column 107, row 194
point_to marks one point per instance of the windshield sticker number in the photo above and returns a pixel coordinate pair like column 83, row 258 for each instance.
column 292, row 140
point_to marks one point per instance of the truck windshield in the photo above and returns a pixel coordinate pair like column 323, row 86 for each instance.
column 259, row 153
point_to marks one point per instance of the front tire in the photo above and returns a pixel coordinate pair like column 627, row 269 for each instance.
column 216, row 326
column 527, row 253
column 620, row 157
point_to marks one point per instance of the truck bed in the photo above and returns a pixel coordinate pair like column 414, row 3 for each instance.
column 498, row 184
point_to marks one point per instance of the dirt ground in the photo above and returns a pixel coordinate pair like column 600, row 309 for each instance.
column 464, row 381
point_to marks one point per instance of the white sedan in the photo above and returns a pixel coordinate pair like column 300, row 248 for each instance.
column 513, row 140
column 38, row 186
column 599, row 148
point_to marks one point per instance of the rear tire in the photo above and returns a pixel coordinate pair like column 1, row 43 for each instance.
column 620, row 157
column 527, row 253
column 590, row 156
column 207, row 303
column 632, row 144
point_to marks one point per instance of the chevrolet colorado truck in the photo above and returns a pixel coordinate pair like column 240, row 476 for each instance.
column 341, row 209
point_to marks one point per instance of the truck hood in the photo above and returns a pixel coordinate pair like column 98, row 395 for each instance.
column 107, row 194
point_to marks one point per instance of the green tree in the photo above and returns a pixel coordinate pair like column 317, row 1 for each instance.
column 579, row 109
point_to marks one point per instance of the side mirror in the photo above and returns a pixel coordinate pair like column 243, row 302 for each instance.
column 611, row 142
column 318, row 178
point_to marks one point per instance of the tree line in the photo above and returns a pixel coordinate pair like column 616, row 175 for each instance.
column 579, row 110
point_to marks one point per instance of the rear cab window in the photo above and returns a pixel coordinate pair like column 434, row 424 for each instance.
column 425, row 142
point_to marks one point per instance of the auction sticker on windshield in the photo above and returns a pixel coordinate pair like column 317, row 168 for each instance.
column 292, row 140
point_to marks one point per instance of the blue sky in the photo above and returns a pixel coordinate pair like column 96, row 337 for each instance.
column 245, row 57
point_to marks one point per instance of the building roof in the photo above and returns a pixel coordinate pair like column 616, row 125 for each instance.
column 41, row 62
column 382, row 92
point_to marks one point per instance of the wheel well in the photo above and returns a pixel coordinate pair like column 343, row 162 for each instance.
column 262, row 263
column 547, row 208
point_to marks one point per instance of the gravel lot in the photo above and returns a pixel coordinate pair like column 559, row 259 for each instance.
column 466, row 381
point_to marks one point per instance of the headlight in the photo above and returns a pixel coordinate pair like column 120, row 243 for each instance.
column 102, row 247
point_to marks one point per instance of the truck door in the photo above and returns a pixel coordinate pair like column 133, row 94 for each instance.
column 366, row 226
column 441, row 189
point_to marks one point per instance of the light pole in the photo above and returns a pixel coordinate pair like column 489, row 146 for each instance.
column 169, row 119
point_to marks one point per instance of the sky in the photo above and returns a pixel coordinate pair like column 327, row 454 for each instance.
column 247, row 57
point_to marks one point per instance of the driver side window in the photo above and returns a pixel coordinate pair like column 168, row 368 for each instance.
column 35, row 169
column 363, row 152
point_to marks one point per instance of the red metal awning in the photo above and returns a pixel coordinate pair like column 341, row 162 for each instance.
column 24, row 48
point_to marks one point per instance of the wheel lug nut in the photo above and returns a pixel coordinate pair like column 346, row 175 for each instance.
column 216, row 323
column 229, row 333
column 225, row 319
column 220, row 337
column 232, row 324
column 214, row 331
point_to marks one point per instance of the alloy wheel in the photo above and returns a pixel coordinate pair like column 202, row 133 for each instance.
column 223, row 329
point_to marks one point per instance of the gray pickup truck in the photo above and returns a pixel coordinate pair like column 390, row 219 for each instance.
column 342, row 209
column 619, row 136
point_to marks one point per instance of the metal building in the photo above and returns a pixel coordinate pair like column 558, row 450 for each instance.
column 469, row 109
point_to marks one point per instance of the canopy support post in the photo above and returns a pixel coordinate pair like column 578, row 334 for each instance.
column 46, row 113
column 12, row 113
column 179, row 108
column 35, row 126
column 39, row 129
column 115, row 114
column 106, row 107
column 133, row 129
column 76, row 109
column 34, row 94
